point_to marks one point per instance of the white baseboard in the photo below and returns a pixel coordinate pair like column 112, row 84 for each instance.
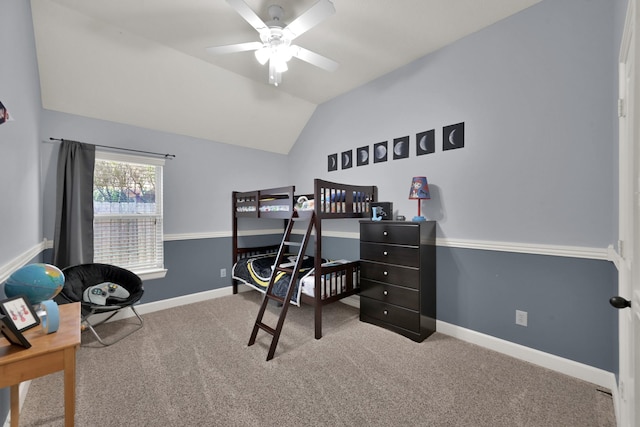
column 353, row 301
column 572, row 368
column 578, row 370
column 151, row 307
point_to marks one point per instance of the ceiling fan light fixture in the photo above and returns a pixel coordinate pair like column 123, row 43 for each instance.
column 263, row 54
column 284, row 53
column 275, row 77
column 280, row 66
column 275, row 38
column 281, row 53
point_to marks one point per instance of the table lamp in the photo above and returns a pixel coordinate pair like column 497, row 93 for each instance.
column 419, row 191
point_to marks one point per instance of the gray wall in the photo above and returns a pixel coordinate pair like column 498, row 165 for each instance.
column 566, row 300
column 197, row 183
column 21, row 213
column 537, row 93
column 197, row 195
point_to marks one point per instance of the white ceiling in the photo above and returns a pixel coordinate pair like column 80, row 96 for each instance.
column 368, row 38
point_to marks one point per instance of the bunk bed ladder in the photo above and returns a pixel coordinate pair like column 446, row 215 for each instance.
column 307, row 219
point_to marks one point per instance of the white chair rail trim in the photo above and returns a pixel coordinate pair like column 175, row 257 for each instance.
column 22, row 259
column 606, row 254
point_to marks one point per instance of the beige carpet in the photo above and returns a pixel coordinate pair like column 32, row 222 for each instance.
column 190, row 366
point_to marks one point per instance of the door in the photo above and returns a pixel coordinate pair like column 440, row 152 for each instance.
column 629, row 245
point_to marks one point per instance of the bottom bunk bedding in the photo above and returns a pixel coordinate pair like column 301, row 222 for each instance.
column 255, row 271
column 331, row 283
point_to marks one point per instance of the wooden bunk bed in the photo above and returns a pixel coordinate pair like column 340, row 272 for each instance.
column 331, row 281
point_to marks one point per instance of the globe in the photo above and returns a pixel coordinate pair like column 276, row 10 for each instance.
column 36, row 282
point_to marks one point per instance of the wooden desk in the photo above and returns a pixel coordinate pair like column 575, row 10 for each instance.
column 48, row 354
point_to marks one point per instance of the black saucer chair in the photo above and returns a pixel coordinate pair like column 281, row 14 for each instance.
column 80, row 277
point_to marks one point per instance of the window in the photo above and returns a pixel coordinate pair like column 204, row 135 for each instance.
column 127, row 208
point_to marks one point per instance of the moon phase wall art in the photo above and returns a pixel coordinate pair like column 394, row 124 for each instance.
column 401, row 148
column 347, row 159
column 452, row 138
column 332, row 162
column 380, row 152
column 4, row 114
column 362, row 155
column 426, row 142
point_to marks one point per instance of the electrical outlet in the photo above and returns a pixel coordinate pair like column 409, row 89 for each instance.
column 223, row 272
column 521, row 318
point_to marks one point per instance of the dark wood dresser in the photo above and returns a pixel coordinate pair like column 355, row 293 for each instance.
column 398, row 276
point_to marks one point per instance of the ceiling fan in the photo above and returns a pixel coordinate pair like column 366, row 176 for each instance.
column 275, row 45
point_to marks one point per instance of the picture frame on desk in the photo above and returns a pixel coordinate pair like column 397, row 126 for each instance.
column 19, row 312
column 11, row 333
column 384, row 210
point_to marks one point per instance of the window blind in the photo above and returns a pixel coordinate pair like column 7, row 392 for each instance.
column 128, row 214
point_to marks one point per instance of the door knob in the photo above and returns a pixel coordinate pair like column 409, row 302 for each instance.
column 619, row 302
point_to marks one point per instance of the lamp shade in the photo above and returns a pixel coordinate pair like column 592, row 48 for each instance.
column 419, row 188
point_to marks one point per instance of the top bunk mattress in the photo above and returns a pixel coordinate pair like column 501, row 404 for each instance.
column 329, row 200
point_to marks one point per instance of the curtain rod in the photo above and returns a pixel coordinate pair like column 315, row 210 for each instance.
column 166, row 156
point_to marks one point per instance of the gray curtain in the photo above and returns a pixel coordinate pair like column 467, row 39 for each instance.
column 73, row 238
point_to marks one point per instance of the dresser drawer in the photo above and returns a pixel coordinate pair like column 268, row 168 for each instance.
column 391, row 254
column 381, row 232
column 384, row 292
column 389, row 313
column 388, row 273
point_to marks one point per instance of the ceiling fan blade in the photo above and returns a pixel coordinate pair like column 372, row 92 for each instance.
column 309, row 19
column 233, row 48
column 248, row 14
column 314, row 58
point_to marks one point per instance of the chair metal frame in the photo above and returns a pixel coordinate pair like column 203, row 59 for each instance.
column 80, row 277
column 85, row 323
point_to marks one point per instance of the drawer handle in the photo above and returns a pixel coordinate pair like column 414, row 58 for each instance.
column 386, row 273
column 385, row 253
column 385, row 312
column 384, row 233
column 385, row 293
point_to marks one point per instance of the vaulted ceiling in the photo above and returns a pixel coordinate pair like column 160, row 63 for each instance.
column 144, row 63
